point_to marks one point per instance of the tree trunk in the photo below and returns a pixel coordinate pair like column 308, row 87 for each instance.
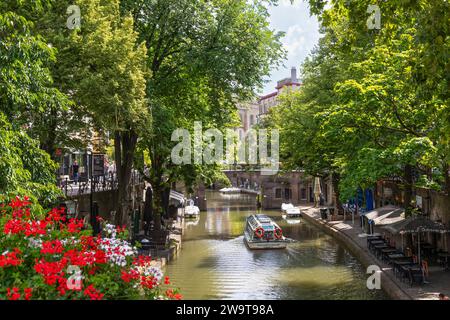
column 335, row 182
column 156, row 180
column 408, row 187
column 124, row 148
column 447, row 179
column 158, row 204
column 47, row 142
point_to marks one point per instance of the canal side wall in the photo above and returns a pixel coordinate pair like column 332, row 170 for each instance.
column 388, row 284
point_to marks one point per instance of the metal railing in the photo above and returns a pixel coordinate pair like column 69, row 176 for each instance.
column 72, row 188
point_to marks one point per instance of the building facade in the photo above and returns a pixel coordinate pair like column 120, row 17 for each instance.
column 283, row 86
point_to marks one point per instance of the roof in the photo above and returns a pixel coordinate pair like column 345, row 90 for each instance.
column 263, row 218
column 417, row 224
column 267, row 96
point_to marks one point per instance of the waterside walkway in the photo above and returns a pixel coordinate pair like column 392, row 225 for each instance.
column 438, row 280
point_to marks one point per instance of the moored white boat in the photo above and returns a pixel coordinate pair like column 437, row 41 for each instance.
column 193, row 222
column 261, row 232
column 293, row 212
column 230, row 190
column 286, row 206
column 292, row 220
column 191, row 210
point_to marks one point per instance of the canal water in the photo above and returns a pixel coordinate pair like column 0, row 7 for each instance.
column 215, row 263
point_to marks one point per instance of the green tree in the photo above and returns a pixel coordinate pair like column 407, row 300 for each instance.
column 374, row 102
column 101, row 66
column 204, row 56
column 25, row 90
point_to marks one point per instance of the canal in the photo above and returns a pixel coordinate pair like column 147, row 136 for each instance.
column 214, row 262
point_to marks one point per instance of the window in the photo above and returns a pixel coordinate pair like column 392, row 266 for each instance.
column 278, row 193
column 287, row 193
column 303, row 193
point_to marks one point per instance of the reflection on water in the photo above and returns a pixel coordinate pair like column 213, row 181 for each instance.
column 214, row 262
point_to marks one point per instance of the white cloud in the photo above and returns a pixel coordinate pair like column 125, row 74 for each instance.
column 301, row 35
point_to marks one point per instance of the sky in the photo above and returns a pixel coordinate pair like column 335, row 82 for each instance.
column 301, row 35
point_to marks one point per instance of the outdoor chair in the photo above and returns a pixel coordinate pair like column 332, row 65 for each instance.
column 415, row 277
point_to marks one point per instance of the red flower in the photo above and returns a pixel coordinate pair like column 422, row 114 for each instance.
column 77, row 258
column 128, row 276
column 52, row 247
column 166, row 280
column 36, row 227
column 56, row 215
column 14, row 294
column 142, row 260
column 10, row 258
column 18, row 203
column 13, row 226
column 27, row 292
column 75, row 225
column 100, row 256
column 93, row 293
column 149, row 282
column 171, row 295
column 51, row 271
column 178, row 296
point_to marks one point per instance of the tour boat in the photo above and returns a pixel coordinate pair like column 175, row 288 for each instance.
column 191, row 210
column 261, row 232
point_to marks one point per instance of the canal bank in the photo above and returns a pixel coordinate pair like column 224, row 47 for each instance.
column 357, row 245
column 215, row 263
column 161, row 257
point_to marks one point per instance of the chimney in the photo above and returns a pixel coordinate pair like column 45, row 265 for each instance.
column 294, row 74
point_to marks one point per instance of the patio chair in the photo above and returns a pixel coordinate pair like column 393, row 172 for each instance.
column 415, row 277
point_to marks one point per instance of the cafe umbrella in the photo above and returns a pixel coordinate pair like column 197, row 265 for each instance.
column 417, row 225
column 317, row 191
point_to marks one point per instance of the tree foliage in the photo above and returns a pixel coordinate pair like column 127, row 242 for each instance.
column 374, row 103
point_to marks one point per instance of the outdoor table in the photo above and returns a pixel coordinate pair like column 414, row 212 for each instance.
column 381, row 246
column 396, row 255
column 386, row 251
column 414, row 269
column 397, row 266
column 371, row 244
column 445, row 256
column 369, row 238
column 378, row 247
column 376, row 241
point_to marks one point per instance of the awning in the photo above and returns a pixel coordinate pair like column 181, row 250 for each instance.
column 177, row 196
column 372, row 215
column 416, row 224
column 391, row 217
